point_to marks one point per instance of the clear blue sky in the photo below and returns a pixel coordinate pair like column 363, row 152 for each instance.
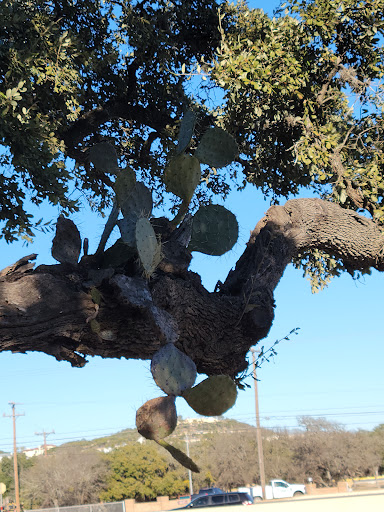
column 332, row 369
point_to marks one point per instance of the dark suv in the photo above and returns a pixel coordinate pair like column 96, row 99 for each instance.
column 211, row 490
column 217, row 500
column 207, row 490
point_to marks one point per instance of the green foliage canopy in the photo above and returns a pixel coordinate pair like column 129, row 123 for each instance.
column 7, row 471
column 304, row 98
column 289, row 83
column 140, row 472
column 75, row 73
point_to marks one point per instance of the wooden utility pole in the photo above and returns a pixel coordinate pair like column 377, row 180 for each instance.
column 16, row 473
column 44, row 434
column 189, row 471
column 258, row 429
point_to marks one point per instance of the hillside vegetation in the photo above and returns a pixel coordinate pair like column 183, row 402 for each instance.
column 124, row 465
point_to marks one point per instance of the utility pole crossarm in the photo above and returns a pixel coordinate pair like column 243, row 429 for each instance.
column 44, row 434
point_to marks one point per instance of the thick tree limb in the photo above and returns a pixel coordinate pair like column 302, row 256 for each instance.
column 91, row 122
column 50, row 309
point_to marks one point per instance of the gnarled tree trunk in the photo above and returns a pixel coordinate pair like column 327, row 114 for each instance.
column 54, row 309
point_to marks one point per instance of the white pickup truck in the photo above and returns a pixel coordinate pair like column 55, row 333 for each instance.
column 275, row 489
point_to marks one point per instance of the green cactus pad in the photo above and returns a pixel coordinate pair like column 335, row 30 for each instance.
column 148, row 247
column 127, row 227
column 124, row 184
column 214, row 230
column 172, row 370
column 157, row 418
column 213, row 396
column 104, row 157
column 66, row 245
column 179, row 456
column 217, row 148
column 187, row 127
column 117, row 255
column 138, row 202
column 182, row 176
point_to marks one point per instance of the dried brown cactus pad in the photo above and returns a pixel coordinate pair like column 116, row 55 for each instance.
column 157, row 418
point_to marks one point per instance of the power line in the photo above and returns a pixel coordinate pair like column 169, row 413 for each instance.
column 93, row 432
column 273, row 428
column 106, row 429
column 330, row 408
column 266, row 417
column 87, row 433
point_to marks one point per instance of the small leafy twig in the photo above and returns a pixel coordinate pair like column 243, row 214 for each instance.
column 264, row 355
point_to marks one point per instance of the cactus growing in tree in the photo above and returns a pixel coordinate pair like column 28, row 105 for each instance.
column 172, row 370
column 66, row 245
column 213, row 396
column 217, row 148
column 148, row 247
column 157, row 418
column 187, row 127
column 137, row 201
column 214, row 230
column 127, row 227
column 124, row 184
column 179, row 456
column 104, row 157
column 182, row 176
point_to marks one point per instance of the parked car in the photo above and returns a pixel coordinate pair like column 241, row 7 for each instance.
column 218, row 500
column 207, row 491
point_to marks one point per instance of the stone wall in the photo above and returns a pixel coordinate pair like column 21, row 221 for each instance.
column 313, row 490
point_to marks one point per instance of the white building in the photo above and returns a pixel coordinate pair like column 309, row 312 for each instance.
column 31, row 452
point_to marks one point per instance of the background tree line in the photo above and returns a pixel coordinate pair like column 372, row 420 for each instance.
column 81, row 473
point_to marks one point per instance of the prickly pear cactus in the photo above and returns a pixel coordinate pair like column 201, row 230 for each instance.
column 66, row 245
column 104, row 157
column 217, row 148
column 214, row 230
column 138, row 202
column 148, row 247
column 124, row 184
column 127, row 227
column 117, row 255
column 157, row 418
column 172, row 370
column 179, row 456
column 182, row 176
column 187, row 127
column 213, row 396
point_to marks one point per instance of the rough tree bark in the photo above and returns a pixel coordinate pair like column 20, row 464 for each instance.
column 51, row 308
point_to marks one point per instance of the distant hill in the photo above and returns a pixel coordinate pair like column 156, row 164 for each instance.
column 195, row 429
